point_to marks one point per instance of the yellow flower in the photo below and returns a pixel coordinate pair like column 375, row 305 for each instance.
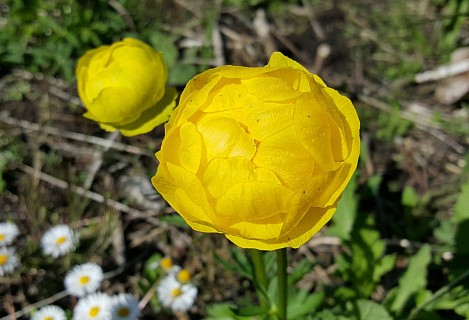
column 261, row 155
column 123, row 87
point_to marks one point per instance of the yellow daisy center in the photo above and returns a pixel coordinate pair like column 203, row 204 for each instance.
column 166, row 263
column 123, row 312
column 2, row 236
column 184, row 276
column 84, row 279
column 94, row 311
column 3, row 259
column 48, row 318
column 176, row 292
column 61, row 240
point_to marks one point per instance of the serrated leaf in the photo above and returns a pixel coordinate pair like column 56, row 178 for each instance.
column 369, row 310
column 413, row 281
column 385, row 264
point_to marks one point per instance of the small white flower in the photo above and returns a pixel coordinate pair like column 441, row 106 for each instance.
column 59, row 240
column 177, row 296
column 124, row 307
column 8, row 232
column 50, row 313
column 83, row 279
column 8, row 260
column 96, row 306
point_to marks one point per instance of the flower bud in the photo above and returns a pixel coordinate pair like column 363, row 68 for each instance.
column 123, row 87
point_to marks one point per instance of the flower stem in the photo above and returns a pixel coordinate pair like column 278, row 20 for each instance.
column 282, row 283
column 257, row 257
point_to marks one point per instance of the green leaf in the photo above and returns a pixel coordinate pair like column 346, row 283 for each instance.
column 384, row 265
column 164, row 43
column 461, row 208
column 409, row 197
column 180, row 74
column 303, row 303
column 175, row 220
column 344, row 217
column 412, row 282
column 251, row 311
column 445, row 233
column 369, row 310
column 301, row 269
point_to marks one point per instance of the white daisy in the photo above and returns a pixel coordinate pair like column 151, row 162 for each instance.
column 8, row 260
column 177, row 296
column 96, row 306
column 50, row 313
column 124, row 307
column 83, row 279
column 8, row 232
column 59, row 240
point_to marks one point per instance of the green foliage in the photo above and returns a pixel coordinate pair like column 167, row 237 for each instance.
column 392, row 125
column 411, row 283
column 47, row 36
column 364, row 265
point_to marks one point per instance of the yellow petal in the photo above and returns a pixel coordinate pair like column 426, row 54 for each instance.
column 310, row 224
column 270, row 89
column 223, row 173
column 193, row 101
column 190, row 184
column 190, row 151
column 230, row 96
column 296, row 79
column 348, row 115
column 191, row 211
column 262, row 229
column 278, row 60
column 312, row 129
column 236, row 72
column 112, row 104
column 253, row 200
column 283, row 154
column 264, row 119
column 150, row 118
column 224, row 137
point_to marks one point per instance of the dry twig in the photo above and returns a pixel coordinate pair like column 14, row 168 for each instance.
column 4, row 117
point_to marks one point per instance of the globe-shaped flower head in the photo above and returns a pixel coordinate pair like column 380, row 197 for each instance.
column 261, row 155
column 123, row 87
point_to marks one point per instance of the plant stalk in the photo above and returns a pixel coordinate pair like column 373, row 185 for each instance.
column 282, row 264
column 260, row 275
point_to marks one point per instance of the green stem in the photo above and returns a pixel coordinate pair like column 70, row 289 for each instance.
column 257, row 257
column 282, row 283
column 439, row 293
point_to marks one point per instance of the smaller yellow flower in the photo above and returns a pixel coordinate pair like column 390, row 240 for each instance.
column 123, row 87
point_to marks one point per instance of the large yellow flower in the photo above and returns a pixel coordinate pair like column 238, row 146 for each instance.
column 123, row 87
column 261, row 155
